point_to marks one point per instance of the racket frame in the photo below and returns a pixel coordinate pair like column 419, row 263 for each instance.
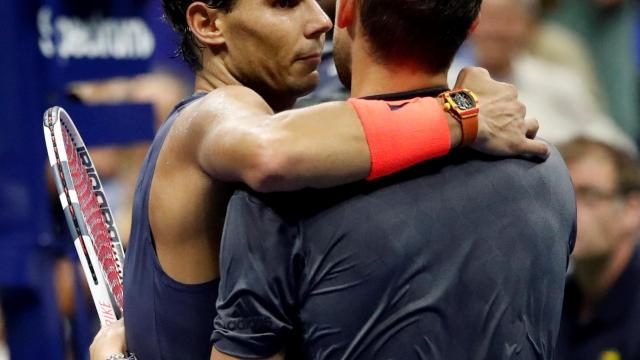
column 56, row 120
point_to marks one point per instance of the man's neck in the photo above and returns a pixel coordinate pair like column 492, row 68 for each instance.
column 215, row 75
column 371, row 77
column 596, row 277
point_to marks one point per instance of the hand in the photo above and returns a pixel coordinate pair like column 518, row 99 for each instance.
column 109, row 340
column 502, row 128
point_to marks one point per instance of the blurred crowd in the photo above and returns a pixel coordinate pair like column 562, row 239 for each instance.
column 110, row 64
column 576, row 64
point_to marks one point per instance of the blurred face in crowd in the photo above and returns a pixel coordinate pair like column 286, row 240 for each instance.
column 501, row 35
column 604, row 219
column 275, row 44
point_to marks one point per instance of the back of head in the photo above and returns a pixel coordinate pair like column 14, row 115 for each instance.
column 430, row 31
column 175, row 12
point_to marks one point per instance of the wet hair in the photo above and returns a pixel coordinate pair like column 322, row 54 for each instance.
column 175, row 11
column 428, row 30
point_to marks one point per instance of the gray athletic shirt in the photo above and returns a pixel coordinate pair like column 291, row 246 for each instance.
column 463, row 257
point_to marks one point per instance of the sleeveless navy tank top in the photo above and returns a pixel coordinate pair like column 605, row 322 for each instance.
column 164, row 319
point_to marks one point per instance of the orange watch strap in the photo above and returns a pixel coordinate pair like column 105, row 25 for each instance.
column 469, row 130
column 468, row 119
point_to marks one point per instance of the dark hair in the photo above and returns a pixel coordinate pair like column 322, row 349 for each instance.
column 428, row 30
column 175, row 11
column 627, row 168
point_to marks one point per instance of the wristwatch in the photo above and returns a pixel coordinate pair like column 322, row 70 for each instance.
column 463, row 105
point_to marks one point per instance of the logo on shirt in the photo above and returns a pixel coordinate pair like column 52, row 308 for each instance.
column 257, row 323
column 96, row 37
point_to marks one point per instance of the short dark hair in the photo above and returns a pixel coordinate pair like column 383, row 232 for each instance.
column 175, row 12
column 428, row 30
column 627, row 168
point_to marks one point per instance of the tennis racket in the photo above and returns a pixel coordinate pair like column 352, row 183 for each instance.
column 87, row 212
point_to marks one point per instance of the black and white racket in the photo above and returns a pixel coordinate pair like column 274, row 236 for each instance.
column 87, row 213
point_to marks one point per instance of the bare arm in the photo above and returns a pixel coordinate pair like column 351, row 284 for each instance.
column 240, row 139
column 217, row 355
column 319, row 146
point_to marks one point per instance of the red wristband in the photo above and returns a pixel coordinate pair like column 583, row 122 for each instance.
column 402, row 133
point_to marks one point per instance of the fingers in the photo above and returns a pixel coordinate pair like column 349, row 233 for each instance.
column 532, row 126
column 504, row 130
column 535, row 147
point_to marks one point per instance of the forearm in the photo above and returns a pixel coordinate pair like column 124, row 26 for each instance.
column 328, row 145
column 320, row 146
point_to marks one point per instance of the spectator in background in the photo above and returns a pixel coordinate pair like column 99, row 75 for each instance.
column 555, row 43
column 555, row 95
column 607, row 28
column 601, row 315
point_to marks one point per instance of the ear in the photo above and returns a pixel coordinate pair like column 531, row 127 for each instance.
column 474, row 25
column 346, row 13
column 204, row 23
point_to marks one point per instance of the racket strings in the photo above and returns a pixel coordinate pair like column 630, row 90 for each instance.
column 94, row 218
column 66, row 192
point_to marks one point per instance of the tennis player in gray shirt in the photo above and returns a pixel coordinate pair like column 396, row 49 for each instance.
column 460, row 258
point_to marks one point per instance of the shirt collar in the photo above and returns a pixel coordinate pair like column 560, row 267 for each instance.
column 405, row 95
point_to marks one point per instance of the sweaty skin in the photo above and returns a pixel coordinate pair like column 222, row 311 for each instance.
column 232, row 134
column 238, row 134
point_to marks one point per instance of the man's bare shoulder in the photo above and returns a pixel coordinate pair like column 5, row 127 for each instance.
column 232, row 101
column 219, row 107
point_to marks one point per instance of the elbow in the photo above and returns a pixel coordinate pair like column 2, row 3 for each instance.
column 271, row 168
column 265, row 179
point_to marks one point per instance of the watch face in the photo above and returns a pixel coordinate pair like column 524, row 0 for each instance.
column 463, row 100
